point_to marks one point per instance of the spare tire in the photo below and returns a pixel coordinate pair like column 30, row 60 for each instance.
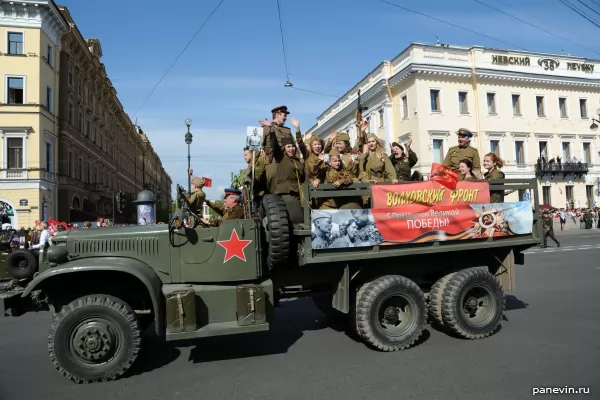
column 21, row 264
column 278, row 229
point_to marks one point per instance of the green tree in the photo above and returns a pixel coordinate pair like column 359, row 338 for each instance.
column 237, row 180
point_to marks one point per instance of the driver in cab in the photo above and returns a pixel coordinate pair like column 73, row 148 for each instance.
column 231, row 208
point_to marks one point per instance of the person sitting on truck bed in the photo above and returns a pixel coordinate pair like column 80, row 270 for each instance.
column 466, row 172
column 341, row 142
column 231, row 208
column 492, row 162
column 338, row 176
column 403, row 161
column 198, row 196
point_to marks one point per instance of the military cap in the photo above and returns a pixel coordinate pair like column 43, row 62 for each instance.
column 342, row 137
column 286, row 140
column 334, row 153
column 317, row 214
column 464, row 131
column 198, row 182
column 232, row 192
column 282, row 109
column 313, row 139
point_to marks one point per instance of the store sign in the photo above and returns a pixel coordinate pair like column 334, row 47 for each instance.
column 587, row 68
column 509, row 60
column 549, row 64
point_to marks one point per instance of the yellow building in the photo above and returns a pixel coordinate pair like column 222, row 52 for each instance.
column 30, row 33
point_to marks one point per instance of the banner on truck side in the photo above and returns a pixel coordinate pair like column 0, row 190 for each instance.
column 419, row 223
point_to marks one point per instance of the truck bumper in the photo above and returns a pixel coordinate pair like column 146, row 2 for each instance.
column 13, row 304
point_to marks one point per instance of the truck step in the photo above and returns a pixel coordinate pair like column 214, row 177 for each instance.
column 218, row 329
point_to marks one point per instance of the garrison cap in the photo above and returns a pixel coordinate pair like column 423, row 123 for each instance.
column 282, row 109
column 465, row 132
column 334, row 153
column 234, row 192
column 317, row 214
column 342, row 137
column 198, row 182
column 287, row 140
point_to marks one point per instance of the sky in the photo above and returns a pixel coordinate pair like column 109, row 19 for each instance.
column 233, row 72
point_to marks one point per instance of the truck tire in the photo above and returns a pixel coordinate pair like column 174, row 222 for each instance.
column 276, row 222
column 436, row 298
column 21, row 264
column 95, row 338
column 379, row 313
column 472, row 304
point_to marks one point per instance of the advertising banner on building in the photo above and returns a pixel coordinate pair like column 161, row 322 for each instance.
column 419, row 223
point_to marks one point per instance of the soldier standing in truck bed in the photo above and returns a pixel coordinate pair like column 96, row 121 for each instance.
column 463, row 151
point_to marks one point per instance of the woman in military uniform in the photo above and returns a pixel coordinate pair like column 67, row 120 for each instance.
column 289, row 177
column 314, row 159
column 492, row 162
column 465, row 169
column 374, row 164
column 403, row 162
column 338, row 176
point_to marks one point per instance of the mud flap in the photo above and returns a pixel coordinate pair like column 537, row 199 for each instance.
column 341, row 297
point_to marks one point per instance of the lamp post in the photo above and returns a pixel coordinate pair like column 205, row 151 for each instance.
column 595, row 122
column 188, row 141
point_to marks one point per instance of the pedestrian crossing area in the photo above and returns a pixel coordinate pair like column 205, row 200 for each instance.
column 553, row 249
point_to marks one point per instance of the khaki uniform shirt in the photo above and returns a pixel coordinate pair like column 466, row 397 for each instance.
column 236, row 212
column 456, row 154
column 496, row 196
column 197, row 200
column 404, row 165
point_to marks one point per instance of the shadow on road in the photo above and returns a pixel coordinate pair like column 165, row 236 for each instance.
column 513, row 303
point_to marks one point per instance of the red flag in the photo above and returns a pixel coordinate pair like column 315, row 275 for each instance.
column 443, row 175
column 207, row 182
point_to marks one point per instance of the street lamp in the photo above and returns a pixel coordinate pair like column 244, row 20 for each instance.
column 188, row 141
column 595, row 122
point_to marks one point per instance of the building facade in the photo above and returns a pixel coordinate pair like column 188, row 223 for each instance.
column 101, row 151
column 525, row 107
column 30, row 34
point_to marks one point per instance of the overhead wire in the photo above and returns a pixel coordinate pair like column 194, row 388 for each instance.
column 287, row 72
column 535, row 26
column 590, row 8
column 454, row 25
column 573, row 8
column 179, row 55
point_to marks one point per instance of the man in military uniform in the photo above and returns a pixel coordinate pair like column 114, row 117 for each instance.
column 322, row 222
column 549, row 229
column 463, row 151
column 231, row 208
column 253, row 141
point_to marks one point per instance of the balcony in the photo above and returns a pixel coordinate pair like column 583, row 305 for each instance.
column 563, row 169
column 15, row 173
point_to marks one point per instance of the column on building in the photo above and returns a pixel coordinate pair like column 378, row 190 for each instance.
column 388, row 123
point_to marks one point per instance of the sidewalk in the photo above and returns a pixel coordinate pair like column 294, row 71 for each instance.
column 573, row 227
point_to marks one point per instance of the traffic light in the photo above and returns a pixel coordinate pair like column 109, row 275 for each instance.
column 122, row 201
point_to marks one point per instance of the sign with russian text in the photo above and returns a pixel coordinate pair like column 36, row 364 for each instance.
column 419, row 223
column 430, row 193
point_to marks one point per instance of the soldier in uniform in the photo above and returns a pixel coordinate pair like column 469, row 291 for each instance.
column 231, row 208
column 403, row 162
column 463, row 152
column 258, row 184
column 253, row 141
column 549, row 229
column 277, row 128
column 322, row 229
column 492, row 163
column 198, row 196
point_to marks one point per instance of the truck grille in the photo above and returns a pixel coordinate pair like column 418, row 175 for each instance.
column 139, row 247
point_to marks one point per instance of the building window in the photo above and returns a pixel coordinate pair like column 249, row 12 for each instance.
column 583, row 108
column 566, row 151
column 589, row 195
column 80, row 122
column 570, row 197
column 15, row 43
column 544, row 150
column 49, row 98
column 562, row 105
column 15, row 90
column 70, row 75
column 539, row 103
column 587, row 153
column 434, row 95
column 15, row 153
column 404, row 106
column 87, row 127
column 491, row 103
column 516, row 104
column 50, row 55
column 438, row 150
column 70, row 165
column 463, row 105
column 381, row 121
column 70, row 113
column 520, row 152
column 495, row 147
column 49, row 157
column 546, row 198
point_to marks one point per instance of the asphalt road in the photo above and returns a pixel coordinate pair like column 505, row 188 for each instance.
column 550, row 340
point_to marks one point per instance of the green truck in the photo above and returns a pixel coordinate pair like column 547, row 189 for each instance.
column 106, row 286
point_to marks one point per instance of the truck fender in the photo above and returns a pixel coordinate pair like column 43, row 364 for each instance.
column 144, row 273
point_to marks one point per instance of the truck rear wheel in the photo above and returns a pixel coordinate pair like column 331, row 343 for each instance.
column 472, row 303
column 436, row 298
column 21, row 264
column 390, row 313
column 276, row 223
column 94, row 338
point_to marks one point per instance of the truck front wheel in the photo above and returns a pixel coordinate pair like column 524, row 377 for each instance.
column 472, row 303
column 94, row 338
column 390, row 313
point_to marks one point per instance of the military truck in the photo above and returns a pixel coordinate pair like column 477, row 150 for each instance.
column 191, row 280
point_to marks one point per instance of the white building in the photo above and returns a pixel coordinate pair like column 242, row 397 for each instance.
column 520, row 105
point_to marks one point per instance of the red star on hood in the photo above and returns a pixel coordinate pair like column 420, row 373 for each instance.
column 234, row 247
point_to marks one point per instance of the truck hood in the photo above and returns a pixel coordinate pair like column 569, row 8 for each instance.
column 124, row 232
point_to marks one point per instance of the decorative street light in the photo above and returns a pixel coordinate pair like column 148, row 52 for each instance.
column 595, row 122
column 188, row 141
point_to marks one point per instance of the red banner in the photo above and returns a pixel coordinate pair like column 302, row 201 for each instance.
column 430, row 193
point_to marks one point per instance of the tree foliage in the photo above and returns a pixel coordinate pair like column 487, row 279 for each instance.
column 237, row 180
